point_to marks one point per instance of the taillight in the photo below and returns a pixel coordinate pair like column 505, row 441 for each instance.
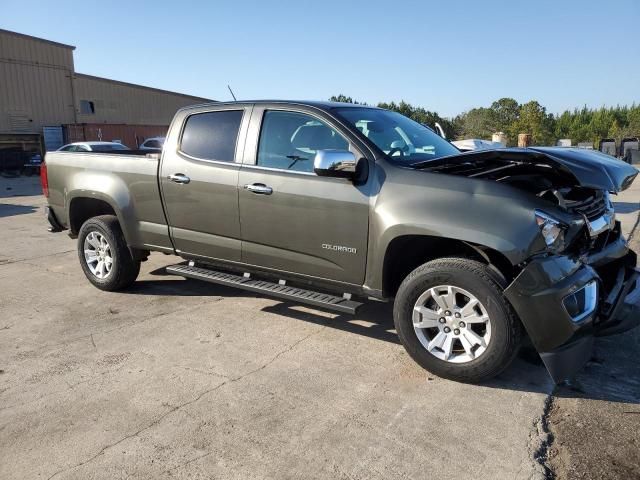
column 44, row 180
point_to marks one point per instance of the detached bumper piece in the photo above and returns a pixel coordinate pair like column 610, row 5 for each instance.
column 565, row 361
column 293, row 294
column 626, row 311
column 54, row 224
column 554, row 297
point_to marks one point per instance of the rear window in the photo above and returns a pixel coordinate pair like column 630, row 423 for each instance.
column 212, row 135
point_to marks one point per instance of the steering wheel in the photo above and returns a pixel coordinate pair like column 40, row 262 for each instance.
column 396, row 149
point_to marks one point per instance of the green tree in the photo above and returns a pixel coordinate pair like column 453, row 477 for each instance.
column 505, row 112
column 633, row 120
column 478, row 123
column 419, row 114
column 344, row 99
column 563, row 125
column 534, row 120
column 506, row 115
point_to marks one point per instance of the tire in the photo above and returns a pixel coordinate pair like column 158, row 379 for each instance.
column 123, row 269
column 464, row 358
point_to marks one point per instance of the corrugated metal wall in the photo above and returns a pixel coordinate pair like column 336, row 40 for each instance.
column 118, row 102
column 23, row 48
column 35, row 83
column 39, row 88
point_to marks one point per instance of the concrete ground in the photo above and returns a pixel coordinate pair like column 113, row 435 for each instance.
column 595, row 419
column 179, row 379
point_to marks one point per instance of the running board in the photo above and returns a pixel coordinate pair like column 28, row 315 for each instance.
column 294, row 294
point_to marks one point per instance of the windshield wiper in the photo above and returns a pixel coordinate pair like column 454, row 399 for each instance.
column 295, row 159
column 423, row 163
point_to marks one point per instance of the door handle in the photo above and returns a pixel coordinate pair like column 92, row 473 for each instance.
column 179, row 178
column 259, row 189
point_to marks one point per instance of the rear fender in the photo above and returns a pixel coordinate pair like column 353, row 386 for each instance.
column 110, row 189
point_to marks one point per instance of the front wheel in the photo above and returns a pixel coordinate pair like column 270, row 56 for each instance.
column 104, row 255
column 453, row 319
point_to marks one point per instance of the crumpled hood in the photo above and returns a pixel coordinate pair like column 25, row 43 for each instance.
column 590, row 168
column 593, row 168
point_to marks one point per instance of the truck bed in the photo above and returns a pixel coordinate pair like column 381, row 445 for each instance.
column 126, row 181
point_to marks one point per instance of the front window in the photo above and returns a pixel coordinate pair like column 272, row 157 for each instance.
column 290, row 140
column 400, row 138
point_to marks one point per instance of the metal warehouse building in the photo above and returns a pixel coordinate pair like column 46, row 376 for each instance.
column 45, row 103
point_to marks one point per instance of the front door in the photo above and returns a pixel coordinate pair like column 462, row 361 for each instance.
column 291, row 219
column 199, row 180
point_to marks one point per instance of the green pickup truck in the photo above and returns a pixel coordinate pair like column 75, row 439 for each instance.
column 332, row 205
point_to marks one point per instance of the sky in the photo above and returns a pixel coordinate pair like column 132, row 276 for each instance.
column 447, row 56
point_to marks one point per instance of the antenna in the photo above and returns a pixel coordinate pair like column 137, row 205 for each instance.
column 234, row 97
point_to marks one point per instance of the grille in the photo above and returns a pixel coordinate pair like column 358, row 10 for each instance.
column 592, row 207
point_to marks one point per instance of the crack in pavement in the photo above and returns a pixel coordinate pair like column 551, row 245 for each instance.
column 184, row 464
column 540, row 441
column 46, row 269
column 203, row 372
column 90, row 337
column 190, row 402
column 20, row 260
column 126, row 324
column 70, row 386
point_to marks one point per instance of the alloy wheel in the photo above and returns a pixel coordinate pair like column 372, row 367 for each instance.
column 451, row 324
column 97, row 255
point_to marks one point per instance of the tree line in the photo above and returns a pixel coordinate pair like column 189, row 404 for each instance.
column 508, row 116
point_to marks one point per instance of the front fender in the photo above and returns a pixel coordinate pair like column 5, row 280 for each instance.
column 475, row 211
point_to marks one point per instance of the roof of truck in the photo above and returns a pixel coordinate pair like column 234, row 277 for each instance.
column 94, row 143
column 323, row 105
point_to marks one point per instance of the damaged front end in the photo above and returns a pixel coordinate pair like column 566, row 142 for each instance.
column 564, row 302
column 582, row 281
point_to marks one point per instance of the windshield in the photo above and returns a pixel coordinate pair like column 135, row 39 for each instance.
column 400, row 138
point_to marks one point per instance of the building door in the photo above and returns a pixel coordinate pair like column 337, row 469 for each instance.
column 53, row 138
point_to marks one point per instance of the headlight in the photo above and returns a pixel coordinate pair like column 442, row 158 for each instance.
column 552, row 231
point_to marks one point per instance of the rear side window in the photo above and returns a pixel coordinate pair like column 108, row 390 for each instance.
column 212, row 135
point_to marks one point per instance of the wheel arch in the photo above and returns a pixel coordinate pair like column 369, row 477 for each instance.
column 82, row 208
column 407, row 252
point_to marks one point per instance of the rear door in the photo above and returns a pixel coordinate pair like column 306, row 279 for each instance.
column 291, row 219
column 199, row 181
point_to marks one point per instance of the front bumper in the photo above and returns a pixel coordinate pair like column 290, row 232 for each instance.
column 538, row 292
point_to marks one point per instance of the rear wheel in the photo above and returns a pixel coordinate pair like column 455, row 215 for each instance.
column 104, row 255
column 453, row 319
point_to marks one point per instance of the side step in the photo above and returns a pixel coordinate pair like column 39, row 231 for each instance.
column 294, row 294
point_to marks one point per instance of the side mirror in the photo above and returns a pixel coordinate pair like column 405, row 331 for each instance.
column 335, row 163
